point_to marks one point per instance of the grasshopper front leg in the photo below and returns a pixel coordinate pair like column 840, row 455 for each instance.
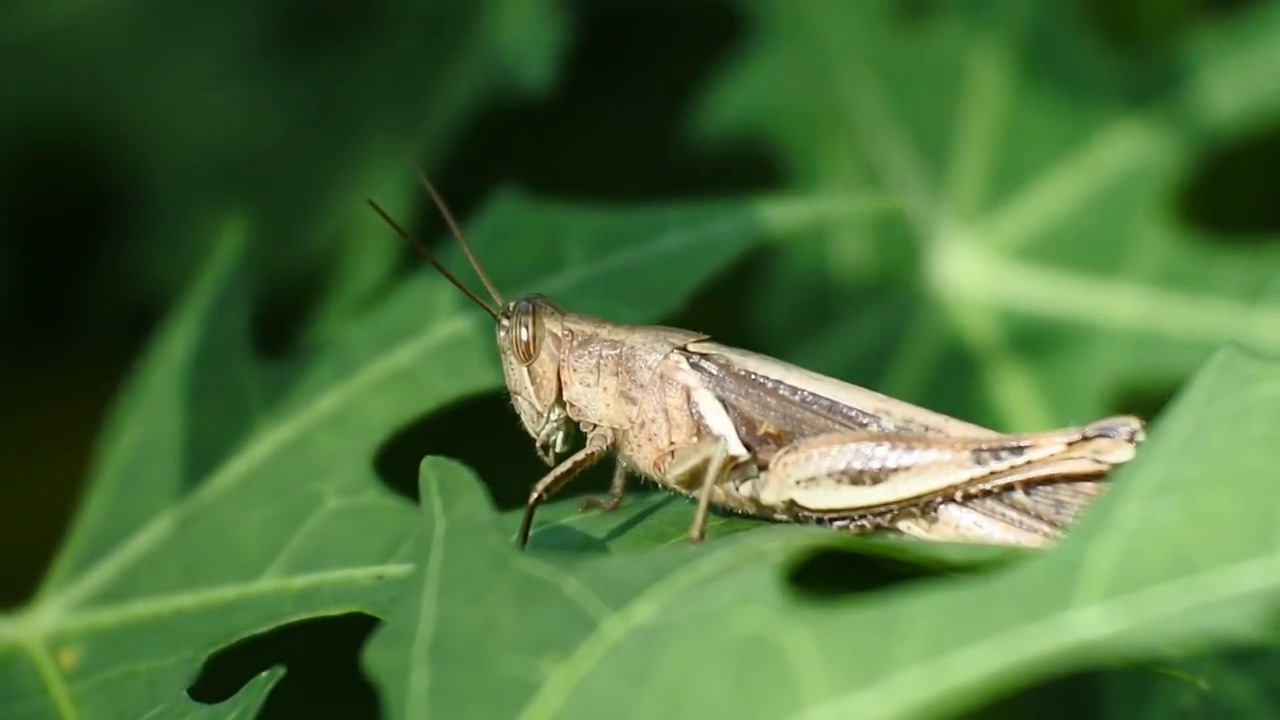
column 599, row 442
column 844, row 476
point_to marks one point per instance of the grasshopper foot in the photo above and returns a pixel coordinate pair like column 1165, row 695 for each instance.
column 607, row 504
column 617, row 488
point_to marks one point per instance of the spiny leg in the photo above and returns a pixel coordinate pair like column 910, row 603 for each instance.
column 956, row 523
column 617, row 488
column 598, row 444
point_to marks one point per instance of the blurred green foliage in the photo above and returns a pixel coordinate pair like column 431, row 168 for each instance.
column 1023, row 214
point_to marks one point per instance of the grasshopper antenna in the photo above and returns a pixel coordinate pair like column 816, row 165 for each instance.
column 458, row 234
column 422, row 250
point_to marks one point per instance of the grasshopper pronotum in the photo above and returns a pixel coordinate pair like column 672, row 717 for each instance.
column 758, row 436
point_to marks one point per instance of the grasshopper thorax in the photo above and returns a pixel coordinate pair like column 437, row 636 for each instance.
column 530, row 334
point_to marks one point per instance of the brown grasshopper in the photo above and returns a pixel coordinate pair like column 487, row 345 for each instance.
column 758, row 436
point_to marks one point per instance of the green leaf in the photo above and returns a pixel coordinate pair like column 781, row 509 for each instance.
column 1041, row 175
column 987, row 223
column 122, row 624
column 158, row 441
column 662, row 633
column 178, row 552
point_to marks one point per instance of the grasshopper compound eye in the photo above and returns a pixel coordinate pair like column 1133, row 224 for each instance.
column 526, row 326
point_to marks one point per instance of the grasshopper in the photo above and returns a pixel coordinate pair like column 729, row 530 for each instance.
column 754, row 435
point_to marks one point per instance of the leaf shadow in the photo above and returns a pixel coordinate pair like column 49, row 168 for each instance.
column 323, row 675
column 566, row 534
column 1203, row 683
column 1075, row 695
column 566, row 539
column 632, row 522
column 563, row 537
column 838, row 571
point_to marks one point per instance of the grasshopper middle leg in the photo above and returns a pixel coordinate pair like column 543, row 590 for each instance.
column 711, row 457
column 617, row 489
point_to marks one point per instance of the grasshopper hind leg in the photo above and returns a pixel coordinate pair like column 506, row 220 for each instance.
column 1031, row 516
column 617, row 489
column 953, row 522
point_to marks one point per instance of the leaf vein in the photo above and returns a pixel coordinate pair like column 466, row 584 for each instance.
column 242, row 463
column 554, row 692
column 195, row 600
column 52, row 679
column 419, row 686
column 1075, row 627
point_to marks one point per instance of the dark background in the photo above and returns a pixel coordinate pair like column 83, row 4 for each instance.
column 110, row 155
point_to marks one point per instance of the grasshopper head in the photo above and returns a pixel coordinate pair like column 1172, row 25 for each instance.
column 529, row 333
column 529, row 338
